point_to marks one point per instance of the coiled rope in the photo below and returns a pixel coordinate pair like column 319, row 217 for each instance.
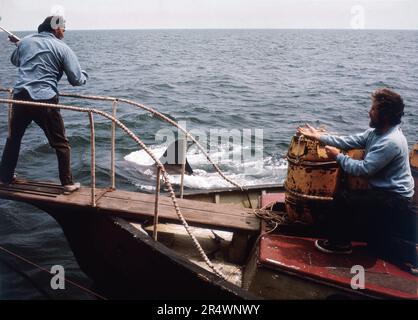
column 273, row 219
column 143, row 146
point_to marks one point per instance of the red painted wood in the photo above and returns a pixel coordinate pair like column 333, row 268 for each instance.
column 268, row 198
column 300, row 256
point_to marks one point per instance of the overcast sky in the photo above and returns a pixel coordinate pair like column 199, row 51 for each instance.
column 21, row 15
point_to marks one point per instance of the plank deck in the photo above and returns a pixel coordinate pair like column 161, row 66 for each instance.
column 134, row 205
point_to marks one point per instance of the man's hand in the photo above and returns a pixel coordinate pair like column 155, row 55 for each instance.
column 310, row 132
column 13, row 39
column 332, row 152
column 84, row 72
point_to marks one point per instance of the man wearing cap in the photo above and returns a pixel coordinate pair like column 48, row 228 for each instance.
column 42, row 59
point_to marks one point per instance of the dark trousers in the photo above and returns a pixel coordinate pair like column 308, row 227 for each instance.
column 386, row 220
column 50, row 121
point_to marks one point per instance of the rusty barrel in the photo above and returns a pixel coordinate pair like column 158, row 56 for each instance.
column 413, row 160
column 312, row 180
column 356, row 183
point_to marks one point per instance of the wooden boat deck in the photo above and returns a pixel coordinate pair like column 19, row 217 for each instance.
column 299, row 256
column 133, row 205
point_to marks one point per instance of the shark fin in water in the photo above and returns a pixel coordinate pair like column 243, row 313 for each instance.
column 174, row 157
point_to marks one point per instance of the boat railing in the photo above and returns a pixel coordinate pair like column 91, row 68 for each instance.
column 115, row 101
column 161, row 172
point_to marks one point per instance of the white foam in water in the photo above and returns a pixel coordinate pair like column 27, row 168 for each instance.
column 208, row 181
column 249, row 173
column 142, row 158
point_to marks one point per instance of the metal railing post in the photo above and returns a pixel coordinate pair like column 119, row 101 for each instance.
column 183, row 167
column 93, row 160
column 157, row 195
column 112, row 156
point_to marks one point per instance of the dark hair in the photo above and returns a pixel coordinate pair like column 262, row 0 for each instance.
column 46, row 25
column 390, row 105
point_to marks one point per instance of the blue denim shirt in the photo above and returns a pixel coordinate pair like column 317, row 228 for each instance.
column 386, row 162
column 42, row 58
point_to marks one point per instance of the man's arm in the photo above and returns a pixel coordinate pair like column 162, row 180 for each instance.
column 15, row 57
column 72, row 69
column 356, row 141
column 13, row 39
column 376, row 159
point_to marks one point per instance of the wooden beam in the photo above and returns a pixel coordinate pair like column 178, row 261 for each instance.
column 135, row 205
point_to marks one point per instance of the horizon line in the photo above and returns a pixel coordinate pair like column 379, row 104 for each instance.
column 234, row 28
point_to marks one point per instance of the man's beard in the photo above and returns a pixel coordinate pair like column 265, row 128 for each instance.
column 375, row 124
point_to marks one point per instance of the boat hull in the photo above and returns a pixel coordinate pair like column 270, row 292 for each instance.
column 125, row 263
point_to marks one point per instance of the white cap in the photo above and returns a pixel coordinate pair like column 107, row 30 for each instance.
column 57, row 21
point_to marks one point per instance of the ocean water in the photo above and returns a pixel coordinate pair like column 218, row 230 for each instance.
column 269, row 80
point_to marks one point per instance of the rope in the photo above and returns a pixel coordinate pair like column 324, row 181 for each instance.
column 150, row 153
column 273, row 219
column 50, row 273
column 25, row 276
column 188, row 135
column 162, row 117
column 299, row 141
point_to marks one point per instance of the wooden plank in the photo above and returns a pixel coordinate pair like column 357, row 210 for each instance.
column 135, row 205
column 37, row 193
column 252, row 189
column 192, row 204
column 32, row 188
column 167, row 213
column 221, row 209
column 39, row 183
column 139, row 206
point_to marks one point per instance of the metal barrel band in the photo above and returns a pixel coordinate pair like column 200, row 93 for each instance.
column 307, row 196
column 312, row 163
